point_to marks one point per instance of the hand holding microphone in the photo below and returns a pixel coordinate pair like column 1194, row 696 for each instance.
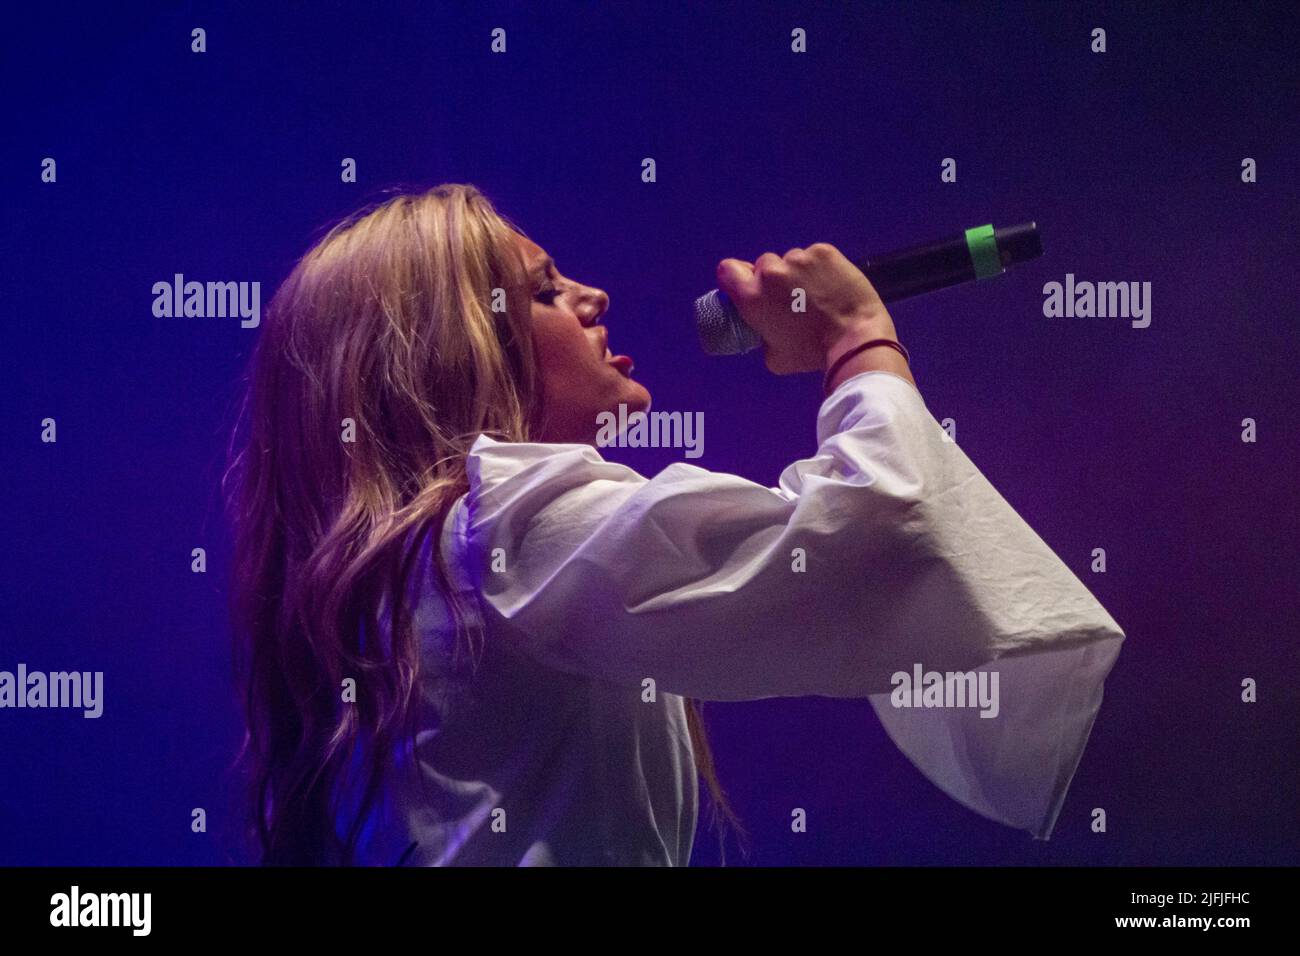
column 850, row 297
column 842, row 310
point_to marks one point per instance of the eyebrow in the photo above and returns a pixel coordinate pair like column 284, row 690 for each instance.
column 543, row 268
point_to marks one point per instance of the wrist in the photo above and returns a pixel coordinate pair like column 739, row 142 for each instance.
column 865, row 351
column 853, row 334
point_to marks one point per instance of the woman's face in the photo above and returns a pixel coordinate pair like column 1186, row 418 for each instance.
column 580, row 376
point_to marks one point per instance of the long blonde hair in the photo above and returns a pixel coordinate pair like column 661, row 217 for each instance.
column 384, row 322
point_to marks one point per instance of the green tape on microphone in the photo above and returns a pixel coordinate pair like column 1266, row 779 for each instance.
column 983, row 249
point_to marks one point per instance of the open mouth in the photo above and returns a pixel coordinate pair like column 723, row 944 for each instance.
column 621, row 362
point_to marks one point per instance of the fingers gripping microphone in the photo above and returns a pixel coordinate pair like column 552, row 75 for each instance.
column 974, row 254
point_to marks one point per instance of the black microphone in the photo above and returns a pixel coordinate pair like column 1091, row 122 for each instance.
column 974, row 254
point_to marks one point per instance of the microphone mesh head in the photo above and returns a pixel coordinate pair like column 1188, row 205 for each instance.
column 721, row 330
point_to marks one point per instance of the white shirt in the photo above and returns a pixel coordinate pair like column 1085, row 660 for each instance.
column 614, row 596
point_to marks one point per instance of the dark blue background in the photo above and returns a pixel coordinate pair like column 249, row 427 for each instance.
column 225, row 165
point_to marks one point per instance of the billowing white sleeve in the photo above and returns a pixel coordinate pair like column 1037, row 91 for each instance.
column 886, row 553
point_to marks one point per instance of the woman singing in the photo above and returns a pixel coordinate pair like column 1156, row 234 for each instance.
column 466, row 638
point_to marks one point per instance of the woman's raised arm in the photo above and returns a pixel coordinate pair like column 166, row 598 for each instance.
column 884, row 550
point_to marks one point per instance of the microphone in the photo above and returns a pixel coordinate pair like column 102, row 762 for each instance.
column 977, row 253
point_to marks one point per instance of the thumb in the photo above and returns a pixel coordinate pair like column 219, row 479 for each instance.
column 736, row 278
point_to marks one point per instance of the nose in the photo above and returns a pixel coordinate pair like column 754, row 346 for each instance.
column 594, row 304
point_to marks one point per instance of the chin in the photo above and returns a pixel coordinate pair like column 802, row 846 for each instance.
column 636, row 396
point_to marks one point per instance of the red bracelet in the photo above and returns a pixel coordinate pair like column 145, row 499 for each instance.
column 839, row 362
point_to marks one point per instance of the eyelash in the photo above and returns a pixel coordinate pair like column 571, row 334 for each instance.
column 548, row 290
